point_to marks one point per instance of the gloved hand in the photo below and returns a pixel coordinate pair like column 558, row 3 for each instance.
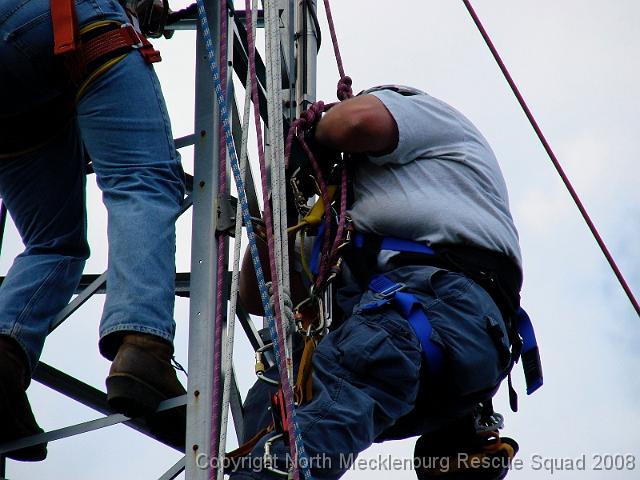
column 300, row 168
column 151, row 15
column 326, row 157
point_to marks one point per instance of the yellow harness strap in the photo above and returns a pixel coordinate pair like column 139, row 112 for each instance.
column 314, row 217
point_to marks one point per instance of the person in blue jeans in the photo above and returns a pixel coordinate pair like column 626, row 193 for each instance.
column 52, row 123
column 423, row 176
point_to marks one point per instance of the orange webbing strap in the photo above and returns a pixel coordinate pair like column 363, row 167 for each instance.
column 303, row 392
column 303, row 389
column 102, row 51
column 65, row 26
column 245, row 449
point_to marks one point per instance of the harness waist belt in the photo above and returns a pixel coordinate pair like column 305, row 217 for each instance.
column 493, row 271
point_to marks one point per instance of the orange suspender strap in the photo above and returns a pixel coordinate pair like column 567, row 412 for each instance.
column 66, row 36
column 65, row 26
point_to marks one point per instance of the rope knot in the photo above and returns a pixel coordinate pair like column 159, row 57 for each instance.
column 344, row 88
column 312, row 114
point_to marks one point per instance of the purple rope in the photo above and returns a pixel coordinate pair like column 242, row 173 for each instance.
column 306, row 120
column 343, row 213
column 554, row 159
column 216, row 410
column 268, row 219
column 344, row 84
column 334, row 38
column 328, row 254
column 344, row 92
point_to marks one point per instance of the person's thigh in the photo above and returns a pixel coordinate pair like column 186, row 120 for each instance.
column 44, row 193
column 126, row 131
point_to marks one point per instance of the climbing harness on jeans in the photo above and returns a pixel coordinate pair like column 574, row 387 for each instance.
column 92, row 50
column 86, row 54
column 472, row 448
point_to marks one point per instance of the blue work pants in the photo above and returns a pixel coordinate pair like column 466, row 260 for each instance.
column 369, row 383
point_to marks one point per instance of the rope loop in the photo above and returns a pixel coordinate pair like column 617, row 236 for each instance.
column 344, row 88
column 288, row 313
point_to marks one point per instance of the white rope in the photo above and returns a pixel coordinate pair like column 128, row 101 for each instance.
column 227, row 366
column 281, row 244
column 276, row 162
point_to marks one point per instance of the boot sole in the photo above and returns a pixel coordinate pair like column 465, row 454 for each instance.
column 131, row 396
column 169, row 427
column 135, row 398
column 35, row 453
column 14, row 429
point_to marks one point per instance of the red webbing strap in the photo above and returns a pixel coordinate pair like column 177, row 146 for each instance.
column 117, row 39
column 65, row 26
column 150, row 54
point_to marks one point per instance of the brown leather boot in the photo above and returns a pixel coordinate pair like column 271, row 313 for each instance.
column 16, row 418
column 141, row 377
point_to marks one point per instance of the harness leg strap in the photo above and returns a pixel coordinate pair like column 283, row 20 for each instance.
column 411, row 309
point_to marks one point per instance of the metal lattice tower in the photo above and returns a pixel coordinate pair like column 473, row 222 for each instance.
column 212, row 214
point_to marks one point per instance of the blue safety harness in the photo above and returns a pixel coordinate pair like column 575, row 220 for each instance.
column 389, row 292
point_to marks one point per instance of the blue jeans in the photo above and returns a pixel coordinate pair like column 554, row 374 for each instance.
column 368, row 384
column 121, row 125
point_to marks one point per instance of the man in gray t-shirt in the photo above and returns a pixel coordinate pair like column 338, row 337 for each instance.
column 423, row 174
column 441, row 183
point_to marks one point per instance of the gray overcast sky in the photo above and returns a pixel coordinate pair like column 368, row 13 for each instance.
column 577, row 64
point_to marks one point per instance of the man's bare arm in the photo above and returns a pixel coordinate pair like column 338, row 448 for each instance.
column 359, row 125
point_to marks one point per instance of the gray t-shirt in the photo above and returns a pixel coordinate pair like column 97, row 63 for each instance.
column 441, row 185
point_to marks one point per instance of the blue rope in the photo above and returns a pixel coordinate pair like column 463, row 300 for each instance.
column 244, row 204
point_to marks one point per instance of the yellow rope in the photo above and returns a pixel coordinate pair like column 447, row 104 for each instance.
column 96, row 73
column 94, row 25
column 105, row 66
